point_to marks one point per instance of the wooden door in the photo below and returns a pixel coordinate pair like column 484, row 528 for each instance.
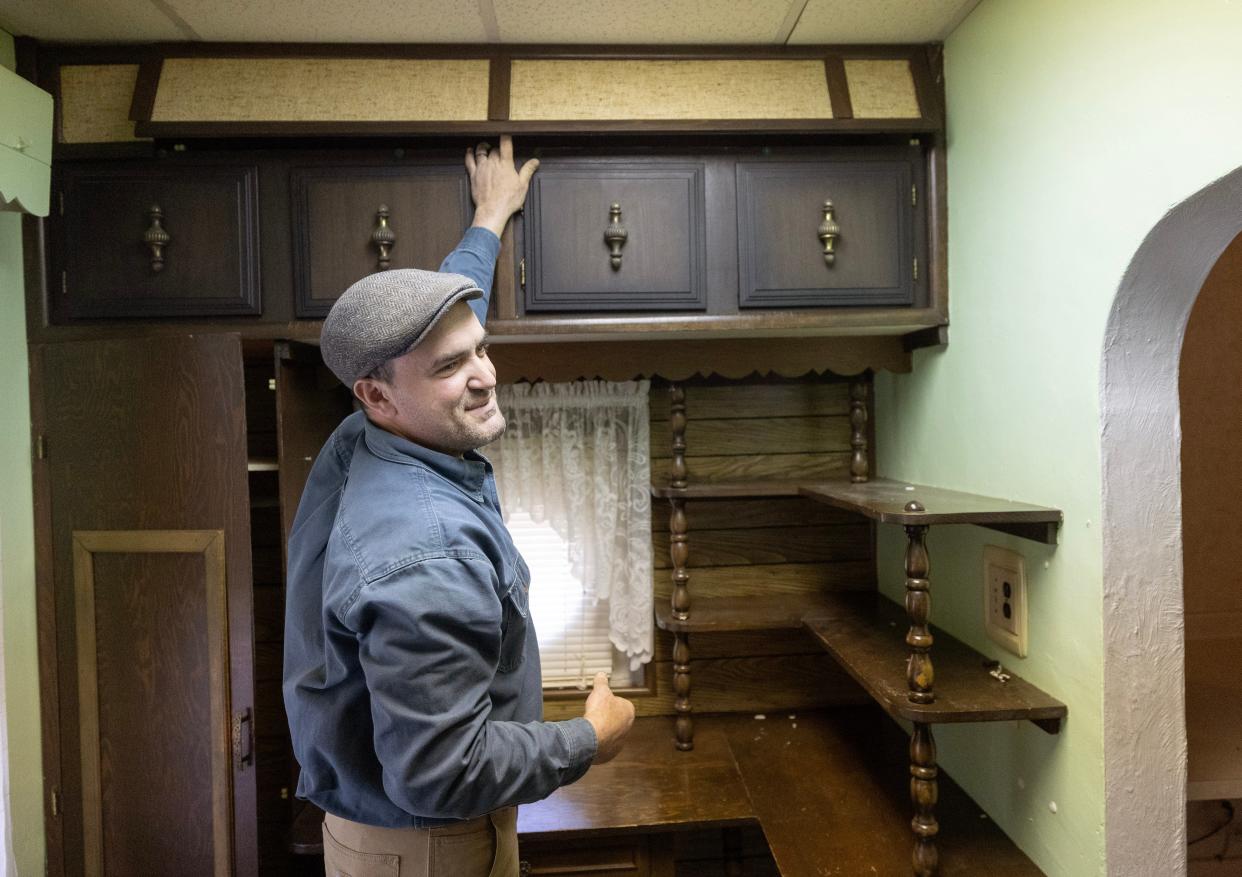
column 616, row 235
column 169, row 240
column 146, row 456
column 341, row 215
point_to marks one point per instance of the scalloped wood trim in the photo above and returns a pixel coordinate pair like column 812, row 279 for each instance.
column 676, row 361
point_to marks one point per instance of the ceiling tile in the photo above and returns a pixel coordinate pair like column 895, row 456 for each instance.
column 131, row 21
column 339, row 21
column 879, row 21
column 640, row 21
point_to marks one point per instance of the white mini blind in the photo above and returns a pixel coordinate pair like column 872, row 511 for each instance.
column 572, row 627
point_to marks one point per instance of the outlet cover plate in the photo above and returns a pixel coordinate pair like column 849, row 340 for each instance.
column 1004, row 598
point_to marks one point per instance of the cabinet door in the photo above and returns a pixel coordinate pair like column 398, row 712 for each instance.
column 781, row 260
column 151, row 564
column 656, row 257
column 163, row 240
column 342, row 214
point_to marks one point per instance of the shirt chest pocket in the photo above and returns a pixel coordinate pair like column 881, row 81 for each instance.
column 515, row 619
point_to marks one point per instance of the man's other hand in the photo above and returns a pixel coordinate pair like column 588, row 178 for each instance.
column 610, row 716
column 496, row 185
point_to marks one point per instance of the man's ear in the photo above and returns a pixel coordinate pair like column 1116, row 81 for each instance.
column 374, row 396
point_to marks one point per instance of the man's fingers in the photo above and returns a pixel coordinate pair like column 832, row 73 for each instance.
column 470, row 166
column 506, row 148
column 601, row 679
column 528, row 171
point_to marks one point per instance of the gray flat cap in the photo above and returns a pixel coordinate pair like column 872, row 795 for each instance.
column 385, row 315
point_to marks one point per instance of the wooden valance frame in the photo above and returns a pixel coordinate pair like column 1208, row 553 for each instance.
column 490, row 90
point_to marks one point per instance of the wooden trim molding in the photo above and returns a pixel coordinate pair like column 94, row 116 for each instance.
column 210, row 544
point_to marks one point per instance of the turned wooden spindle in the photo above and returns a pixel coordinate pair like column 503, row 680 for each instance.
column 924, row 793
column 920, row 676
column 677, row 420
column 859, row 466
column 679, row 551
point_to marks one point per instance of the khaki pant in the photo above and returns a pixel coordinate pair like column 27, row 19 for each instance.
column 483, row 847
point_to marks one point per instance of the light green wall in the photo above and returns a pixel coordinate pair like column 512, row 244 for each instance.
column 21, row 658
column 1073, row 127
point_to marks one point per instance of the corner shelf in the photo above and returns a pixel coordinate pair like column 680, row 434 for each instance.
column 861, row 633
column 862, row 630
column 887, row 502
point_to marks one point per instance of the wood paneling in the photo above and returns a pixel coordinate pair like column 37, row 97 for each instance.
column 153, row 694
column 747, row 547
column 759, row 435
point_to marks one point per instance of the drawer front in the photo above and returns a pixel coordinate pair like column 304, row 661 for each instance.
column 577, row 259
column 608, row 857
column 781, row 260
column 337, row 224
column 176, row 241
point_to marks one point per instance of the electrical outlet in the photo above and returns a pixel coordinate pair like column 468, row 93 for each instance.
column 1004, row 598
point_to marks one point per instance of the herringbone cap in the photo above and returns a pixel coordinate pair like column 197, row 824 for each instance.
column 385, row 315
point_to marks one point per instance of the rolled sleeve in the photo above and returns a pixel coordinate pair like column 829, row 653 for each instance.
column 475, row 257
column 429, row 639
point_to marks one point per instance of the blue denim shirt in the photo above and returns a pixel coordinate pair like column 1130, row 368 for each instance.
column 411, row 667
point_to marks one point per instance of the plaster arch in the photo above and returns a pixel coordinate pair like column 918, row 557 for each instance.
column 1143, row 610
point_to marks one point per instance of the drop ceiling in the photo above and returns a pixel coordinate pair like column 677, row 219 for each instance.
column 691, row 22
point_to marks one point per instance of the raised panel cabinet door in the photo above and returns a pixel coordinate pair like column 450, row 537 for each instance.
column 157, row 240
column 784, row 230
column 615, row 235
column 349, row 222
column 146, row 466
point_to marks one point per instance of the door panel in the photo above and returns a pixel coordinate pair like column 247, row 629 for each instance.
column 146, row 454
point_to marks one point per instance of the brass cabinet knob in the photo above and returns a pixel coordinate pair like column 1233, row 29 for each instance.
column 615, row 236
column 829, row 231
column 156, row 237
column 383, row 237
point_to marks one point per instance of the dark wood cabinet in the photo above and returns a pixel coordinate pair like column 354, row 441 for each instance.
column 616, row 235
column 352, row 221
column 152, row 239
column 813, row 233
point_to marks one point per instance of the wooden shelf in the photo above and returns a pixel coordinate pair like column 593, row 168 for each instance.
column 776, row 612
column 728, row 490
column 866, row 634
column 885, row 501
column 1213, row 714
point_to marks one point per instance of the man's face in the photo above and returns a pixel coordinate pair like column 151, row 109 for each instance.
column 443, row 392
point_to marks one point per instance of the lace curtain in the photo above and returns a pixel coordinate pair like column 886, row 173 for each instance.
column 577, row 456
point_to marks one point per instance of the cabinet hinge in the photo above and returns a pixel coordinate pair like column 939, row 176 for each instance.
column 522, row 273
column 64, row 283
column 55, row 803
column 40, row 448
column 916, row 267
column 61, row 199
column 914, row 196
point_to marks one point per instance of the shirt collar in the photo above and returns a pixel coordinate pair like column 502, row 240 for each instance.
column 468, row 472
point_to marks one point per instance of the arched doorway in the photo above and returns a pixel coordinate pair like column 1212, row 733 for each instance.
column 1145, row 751
column 1210, row 393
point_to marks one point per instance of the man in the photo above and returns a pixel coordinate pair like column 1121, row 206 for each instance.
column 411, row 675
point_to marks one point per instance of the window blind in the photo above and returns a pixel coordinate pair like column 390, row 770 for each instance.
column 573, row 628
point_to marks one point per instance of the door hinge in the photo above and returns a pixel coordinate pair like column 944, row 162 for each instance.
column 914, row 196
column 40, row 448
column 55, row 803
column 522, row 273
column 916, row 267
